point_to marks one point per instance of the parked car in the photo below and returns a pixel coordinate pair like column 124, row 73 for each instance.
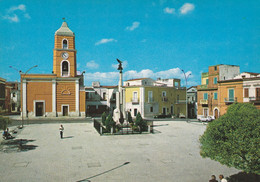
column 163, row 116
column 181, row 115
column 206, row 118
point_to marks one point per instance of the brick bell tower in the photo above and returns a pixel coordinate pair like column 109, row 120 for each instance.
column 64, row 53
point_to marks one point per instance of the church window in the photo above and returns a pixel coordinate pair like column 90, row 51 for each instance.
column 65, row 44
column 65, row 68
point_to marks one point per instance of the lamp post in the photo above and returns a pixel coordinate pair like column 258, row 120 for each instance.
column 22, row 77
column 186, row 78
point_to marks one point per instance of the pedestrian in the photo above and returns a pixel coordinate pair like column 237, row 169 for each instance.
column 213, row 179
column 222, row 179
column 61, row 131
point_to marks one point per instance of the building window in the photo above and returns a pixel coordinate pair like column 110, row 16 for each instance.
column 231, row 94
column 163, row 93
column 257, row 93
column 150, row 96
column 135, row 96
column 13, row 94
column 151, row 109
column 207, row 81
column 104, row 96
column 215, row 68
column 135, row 112
column 215, row 80
column 205, row 96
column 215, row 96
column 246, row 92
column 65, row 44
column 114, row 95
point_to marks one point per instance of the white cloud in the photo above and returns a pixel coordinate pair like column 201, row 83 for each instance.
column 104, row 41
column 92, row 65
column 168, row 10
column 124, row 64
column 20, row 7
column 13, row 17
column 113, row 77
column 133, row 26
column 186, row 8
column 26, row 15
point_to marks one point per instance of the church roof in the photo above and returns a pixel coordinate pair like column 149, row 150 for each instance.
column 64, row 30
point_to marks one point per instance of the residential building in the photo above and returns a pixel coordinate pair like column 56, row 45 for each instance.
column 151, row 98
column 100, row 99
column 192, row 102
column 12, row 101
column 242, row 88
column 208, row 94
column 60, row 93
column 2, row 94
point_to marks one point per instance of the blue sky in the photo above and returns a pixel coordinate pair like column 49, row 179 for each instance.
column 154, row 38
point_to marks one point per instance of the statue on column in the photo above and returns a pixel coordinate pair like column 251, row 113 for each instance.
column 119, row 112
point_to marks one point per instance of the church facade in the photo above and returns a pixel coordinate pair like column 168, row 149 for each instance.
column 58, row 94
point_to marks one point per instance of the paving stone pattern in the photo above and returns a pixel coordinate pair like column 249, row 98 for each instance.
column 169, row 155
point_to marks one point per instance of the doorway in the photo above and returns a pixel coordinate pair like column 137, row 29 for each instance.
column 39, row 108
column 206, row 111
column 216, row 113
column 65, row 110
column 164, row 111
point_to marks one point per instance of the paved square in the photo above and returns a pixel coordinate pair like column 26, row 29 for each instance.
column 169, row 155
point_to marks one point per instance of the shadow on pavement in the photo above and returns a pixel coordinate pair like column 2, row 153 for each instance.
column 244, row 177
column 67, row 137
column 160, row 125
column 87, row 179
column 17, row 145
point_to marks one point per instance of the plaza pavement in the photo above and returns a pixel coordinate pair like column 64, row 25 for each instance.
column 171, row 154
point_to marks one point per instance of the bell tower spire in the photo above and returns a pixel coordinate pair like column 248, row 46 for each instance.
column 64, row 52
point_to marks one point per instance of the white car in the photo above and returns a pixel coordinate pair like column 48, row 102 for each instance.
column 206, row 118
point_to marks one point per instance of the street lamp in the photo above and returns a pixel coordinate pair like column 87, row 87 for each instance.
column 186, row 78
column 22, row 77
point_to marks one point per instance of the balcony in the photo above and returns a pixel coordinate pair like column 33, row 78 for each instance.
column 230, row 100
column 135, row 101
column 255, row 100
column 65, row 73
column 113, row 100
column 204, row 101
column 203, row 86
column 164, row 99
column 180, row 102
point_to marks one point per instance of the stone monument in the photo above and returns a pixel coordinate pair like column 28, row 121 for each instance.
column 119, row 114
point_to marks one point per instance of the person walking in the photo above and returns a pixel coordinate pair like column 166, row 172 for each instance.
column 61, row 131
column 213, row 179
column 222, row 179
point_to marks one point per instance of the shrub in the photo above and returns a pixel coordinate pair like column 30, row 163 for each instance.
column 140, row 122
column 103, row 118
column 129, row 117
column 109, row 123
column 234, row 138
column 4, row 121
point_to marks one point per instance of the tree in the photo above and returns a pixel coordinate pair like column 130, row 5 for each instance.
column 4, row 121
column 234, row 138
column 103, row 118
column 109, row 122
column 140, row 122
column 129, row 117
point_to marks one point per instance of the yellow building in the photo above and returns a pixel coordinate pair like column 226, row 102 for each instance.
column 151, row 98
column 60, row 93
